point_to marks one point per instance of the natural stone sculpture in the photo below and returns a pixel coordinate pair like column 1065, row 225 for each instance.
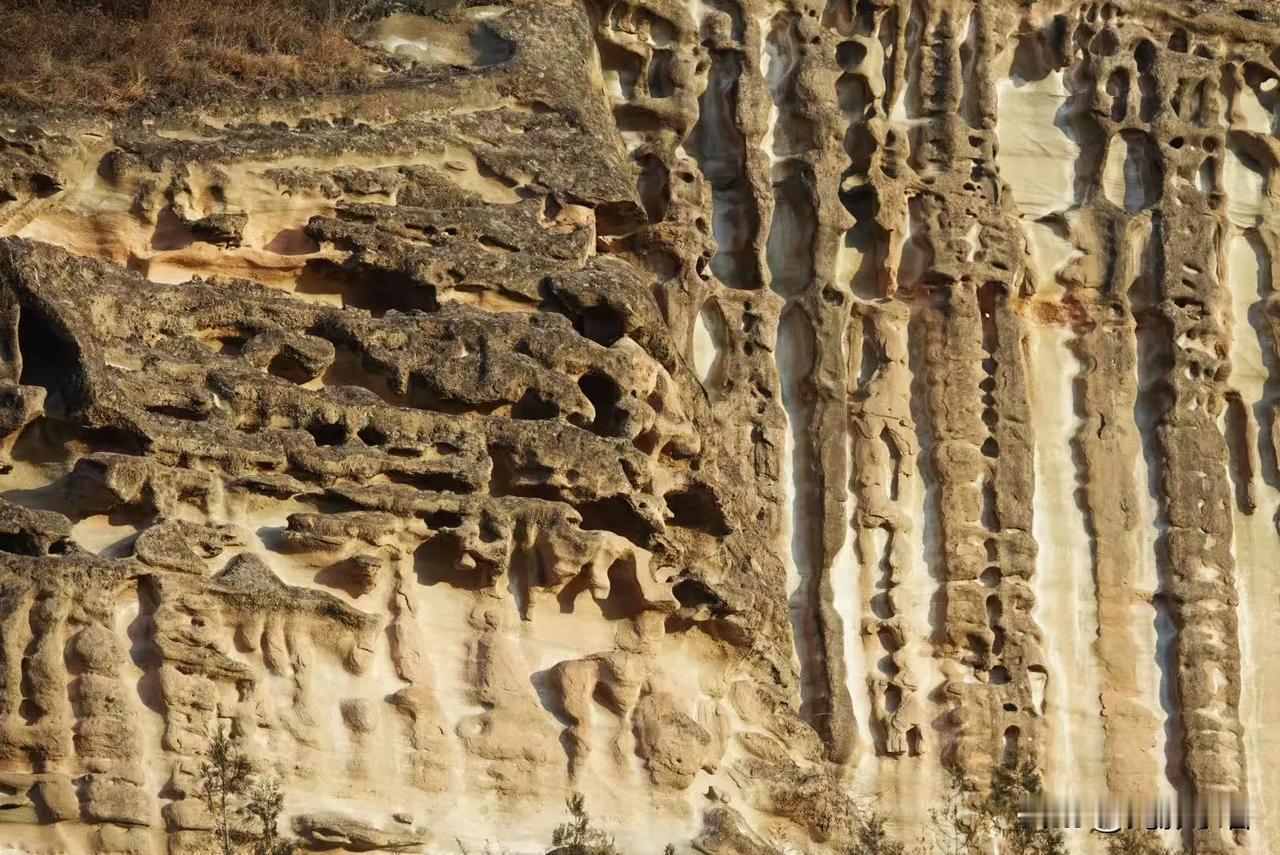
column 730, row 410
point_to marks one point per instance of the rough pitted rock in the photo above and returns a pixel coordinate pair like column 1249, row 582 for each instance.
column 740, row 412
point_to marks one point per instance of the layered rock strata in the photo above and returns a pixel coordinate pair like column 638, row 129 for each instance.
column 738, row 411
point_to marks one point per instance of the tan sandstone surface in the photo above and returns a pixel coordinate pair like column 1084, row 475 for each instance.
column 750, row 414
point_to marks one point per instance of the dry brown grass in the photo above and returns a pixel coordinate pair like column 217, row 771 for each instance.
column 119, row 55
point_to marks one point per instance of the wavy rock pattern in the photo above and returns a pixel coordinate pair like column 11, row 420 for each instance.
column 729, row 409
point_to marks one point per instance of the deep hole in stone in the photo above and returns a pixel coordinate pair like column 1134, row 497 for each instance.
column 327, row 434
column 604, row 394
column 49, row 359
column 532, row 407
column 434, row 482
column 442, row 519
column 615, row 514
column 286, row 367
column 439, row 561
column 602, row 324
column 372, row 436
column 693, row 594
column 696, row 508
column 1010, row 752
column 19, row 543
column 626, row 598
column 188, row 414
column 995, row 611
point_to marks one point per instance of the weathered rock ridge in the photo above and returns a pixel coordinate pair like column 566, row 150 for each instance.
column 732, row 410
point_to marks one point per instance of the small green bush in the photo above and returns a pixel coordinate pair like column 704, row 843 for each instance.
column 1138, row 841
column 243, row 806
column 578, row 836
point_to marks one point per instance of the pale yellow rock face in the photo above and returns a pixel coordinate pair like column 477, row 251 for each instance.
column 758, row 416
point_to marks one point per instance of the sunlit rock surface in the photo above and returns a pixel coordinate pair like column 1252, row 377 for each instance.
column 737, row 411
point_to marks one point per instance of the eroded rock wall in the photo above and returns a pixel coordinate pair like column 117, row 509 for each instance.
column 732, row 410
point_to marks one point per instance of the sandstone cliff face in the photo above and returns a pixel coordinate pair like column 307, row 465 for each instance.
column 732, row 410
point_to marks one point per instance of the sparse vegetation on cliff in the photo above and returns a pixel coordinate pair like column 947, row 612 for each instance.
column 871, row 838
column 962, row 821
column 242, row 805
column 1009, row 786
column 116, row 55
column 579, row 836
column 1136, row 841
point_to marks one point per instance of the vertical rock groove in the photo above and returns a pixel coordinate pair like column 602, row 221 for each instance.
column 748, row 414
column 807, row 223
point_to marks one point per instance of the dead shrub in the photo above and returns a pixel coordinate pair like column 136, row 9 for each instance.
column 118, row 55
